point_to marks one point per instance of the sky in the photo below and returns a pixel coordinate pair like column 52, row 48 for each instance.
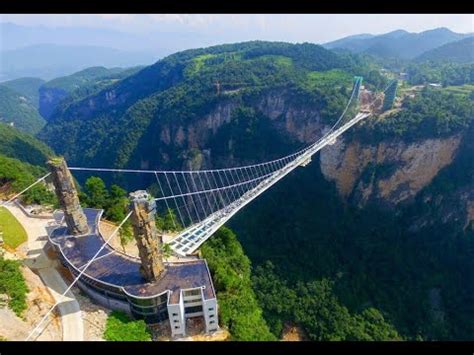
column 316, row 28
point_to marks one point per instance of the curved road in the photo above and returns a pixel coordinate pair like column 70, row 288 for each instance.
column 71, row 315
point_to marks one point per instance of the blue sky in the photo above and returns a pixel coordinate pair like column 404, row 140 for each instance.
column 315, row 28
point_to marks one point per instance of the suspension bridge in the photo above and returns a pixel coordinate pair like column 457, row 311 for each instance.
column 204, row 200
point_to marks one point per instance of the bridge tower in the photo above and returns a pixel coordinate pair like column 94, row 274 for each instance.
column 149, row 242
column 357, row 85
column 390, row 94
column 66, row 192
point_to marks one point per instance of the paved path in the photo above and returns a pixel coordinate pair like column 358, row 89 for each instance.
column 71, row 315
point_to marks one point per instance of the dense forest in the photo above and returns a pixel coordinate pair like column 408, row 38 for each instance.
column 443, row 73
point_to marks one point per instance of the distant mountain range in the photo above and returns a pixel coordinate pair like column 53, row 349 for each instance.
column 159, row 42
column 48, row 61
column 49, row 52
column 397, row 44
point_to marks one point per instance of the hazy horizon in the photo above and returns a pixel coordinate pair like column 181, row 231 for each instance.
column 27, row 42
column 207, row 29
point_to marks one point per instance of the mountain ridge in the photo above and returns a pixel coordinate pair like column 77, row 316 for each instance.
column 399, row 43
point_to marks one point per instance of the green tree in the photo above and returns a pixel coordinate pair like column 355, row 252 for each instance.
column 12, row 283
column 96, row 193
column 315, row 307
column 119, row 327
column 169, row 222
column 239, row 311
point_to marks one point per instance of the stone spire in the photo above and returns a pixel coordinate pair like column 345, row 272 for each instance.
column 144, row 229
column 67, row 196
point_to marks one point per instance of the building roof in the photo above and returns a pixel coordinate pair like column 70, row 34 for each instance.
column 118, row 269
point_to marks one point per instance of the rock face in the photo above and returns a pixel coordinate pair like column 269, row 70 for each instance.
column 291, row 120
column 391, row 171
column 67, row 196
column 144, row 229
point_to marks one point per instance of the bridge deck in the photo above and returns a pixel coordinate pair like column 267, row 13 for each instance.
column 191, row 238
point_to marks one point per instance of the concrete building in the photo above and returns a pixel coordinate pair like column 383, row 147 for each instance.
column 114, row 280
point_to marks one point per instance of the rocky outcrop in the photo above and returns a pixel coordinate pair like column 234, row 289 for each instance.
column 149, row 243
column 391, row 171
column 67, row 196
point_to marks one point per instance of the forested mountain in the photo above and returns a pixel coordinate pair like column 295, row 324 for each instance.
column 19, row 110
column 80, row 84
column 458, row 52
column 155, row 117
column 398, row 44
column 28, row 87
column 373, row 240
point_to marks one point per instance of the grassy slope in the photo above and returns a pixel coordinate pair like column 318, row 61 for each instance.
column 13, row 232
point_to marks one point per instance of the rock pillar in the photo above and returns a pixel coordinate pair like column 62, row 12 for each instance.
column 67, row 196
column 149, row 242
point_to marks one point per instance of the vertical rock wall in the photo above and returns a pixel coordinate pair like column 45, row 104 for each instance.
column 144, row 229
column 67, row 196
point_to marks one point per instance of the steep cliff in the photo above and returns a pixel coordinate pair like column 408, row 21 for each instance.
column 392, row 171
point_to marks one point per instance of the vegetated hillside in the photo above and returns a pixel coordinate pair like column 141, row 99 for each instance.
column 22, row 146
column 28, row 87
column 398, row 43
column 50, row 61
column 168, row 113
column 19, row 111
column 22, row 161
column 80, row 84
column 458, row 52
column 16, row 175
